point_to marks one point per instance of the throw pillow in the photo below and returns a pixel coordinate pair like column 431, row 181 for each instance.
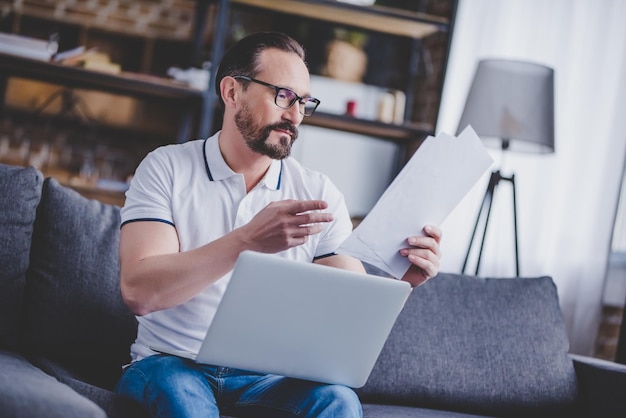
column 495, row 347
column 73, row 309
column 20, row 189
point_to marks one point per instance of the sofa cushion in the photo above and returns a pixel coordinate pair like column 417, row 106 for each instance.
column 27, row 392
column 400, row 411
column 73, row 310
column 114, row 404
column 484, row 346
column 20, row 189
column 601, row 384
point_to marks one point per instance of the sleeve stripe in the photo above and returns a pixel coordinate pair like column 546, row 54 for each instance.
column 324, row 256
column 147, row 220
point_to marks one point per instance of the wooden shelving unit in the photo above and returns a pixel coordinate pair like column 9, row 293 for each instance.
column 415, row 26
column 159, row 31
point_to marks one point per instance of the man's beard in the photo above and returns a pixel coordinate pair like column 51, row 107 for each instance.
column 257, row 136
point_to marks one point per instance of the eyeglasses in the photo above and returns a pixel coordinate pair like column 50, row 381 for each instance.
column 285, row 98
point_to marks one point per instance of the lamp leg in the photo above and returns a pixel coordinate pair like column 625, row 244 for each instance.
column 480, row 211
column 488, row 198
column 512, row 180
column 493, row 182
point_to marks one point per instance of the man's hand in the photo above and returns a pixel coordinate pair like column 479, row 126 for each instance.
column 424, row 254
column 285, row 224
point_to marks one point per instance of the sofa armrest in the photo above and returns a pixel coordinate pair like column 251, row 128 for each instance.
column 601, row 385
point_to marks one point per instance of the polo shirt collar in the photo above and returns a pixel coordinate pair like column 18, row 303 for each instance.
column 217, row 169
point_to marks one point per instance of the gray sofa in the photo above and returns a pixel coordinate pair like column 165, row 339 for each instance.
column 462, row 346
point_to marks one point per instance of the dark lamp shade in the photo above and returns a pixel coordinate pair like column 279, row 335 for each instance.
column 511, row 105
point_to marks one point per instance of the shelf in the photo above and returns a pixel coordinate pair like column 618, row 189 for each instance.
column 375, row 18
column 142, row 85
column 103, row 195
column 137, row 85
column 123, row 17
column 398, row 133
column 84, row 187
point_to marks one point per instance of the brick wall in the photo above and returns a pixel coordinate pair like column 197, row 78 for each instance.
column 608, row 333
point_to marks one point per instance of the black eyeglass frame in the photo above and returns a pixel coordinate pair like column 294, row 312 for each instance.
column 277, row 90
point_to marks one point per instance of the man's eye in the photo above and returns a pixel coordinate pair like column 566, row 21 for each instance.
column 286, row 94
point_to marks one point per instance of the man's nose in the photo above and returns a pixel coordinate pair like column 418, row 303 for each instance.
column 293, row 114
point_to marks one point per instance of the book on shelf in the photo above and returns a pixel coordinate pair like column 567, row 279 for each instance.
column 90, row 59
column 27, row 47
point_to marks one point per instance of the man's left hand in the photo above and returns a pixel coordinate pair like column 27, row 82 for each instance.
column 424, row 254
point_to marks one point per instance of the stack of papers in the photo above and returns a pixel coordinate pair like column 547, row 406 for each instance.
column 432, row 183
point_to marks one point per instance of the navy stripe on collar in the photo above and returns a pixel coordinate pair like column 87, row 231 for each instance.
column 280, row 175
column 208, row 170
column 206, row 162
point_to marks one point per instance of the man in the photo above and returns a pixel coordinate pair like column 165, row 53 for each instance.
column 193, row 207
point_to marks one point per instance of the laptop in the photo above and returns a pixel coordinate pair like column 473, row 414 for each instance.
column 302, row 320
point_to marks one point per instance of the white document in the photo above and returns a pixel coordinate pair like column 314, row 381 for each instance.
column 432, row 183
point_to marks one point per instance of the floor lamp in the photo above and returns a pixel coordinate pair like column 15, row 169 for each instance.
column 510, row 106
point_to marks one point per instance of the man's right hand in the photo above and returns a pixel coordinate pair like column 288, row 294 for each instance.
column 285, row 224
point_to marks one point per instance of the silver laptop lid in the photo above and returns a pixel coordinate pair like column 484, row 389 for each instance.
column 302, row 320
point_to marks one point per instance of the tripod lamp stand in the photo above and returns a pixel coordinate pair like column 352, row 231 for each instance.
column 510, row 106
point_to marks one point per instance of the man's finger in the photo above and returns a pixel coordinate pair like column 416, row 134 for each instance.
column 314, row 217
column 301, row 206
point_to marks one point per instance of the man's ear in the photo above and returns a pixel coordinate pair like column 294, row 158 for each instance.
column 229, row 88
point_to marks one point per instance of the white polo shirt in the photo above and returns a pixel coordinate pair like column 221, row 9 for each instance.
column 190, row 187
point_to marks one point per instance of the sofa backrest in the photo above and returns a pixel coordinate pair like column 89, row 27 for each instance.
column 494, row 347
column 73, row 312
column 20, row 191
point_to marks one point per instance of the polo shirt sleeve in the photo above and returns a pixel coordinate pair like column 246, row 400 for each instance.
column 150, row 193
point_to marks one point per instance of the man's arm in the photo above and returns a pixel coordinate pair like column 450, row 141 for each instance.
column 155, row 275
column 342, row 261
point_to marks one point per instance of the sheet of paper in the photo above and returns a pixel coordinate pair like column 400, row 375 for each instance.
column 432, row 183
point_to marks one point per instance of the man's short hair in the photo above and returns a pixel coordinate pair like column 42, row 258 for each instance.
column 242, row 58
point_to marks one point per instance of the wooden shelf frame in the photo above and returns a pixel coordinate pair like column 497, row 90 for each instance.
column 373, row 18
column 403, row 134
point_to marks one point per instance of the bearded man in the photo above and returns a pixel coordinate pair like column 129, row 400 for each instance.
column 192, row 208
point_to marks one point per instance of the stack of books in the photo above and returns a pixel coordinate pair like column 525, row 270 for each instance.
column 27, row 47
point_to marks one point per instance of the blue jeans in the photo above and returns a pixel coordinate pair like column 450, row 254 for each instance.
column 174, row 387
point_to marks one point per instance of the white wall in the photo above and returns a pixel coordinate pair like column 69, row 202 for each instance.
column 360, row 166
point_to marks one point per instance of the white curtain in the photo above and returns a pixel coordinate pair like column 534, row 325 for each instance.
column 566, row 201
